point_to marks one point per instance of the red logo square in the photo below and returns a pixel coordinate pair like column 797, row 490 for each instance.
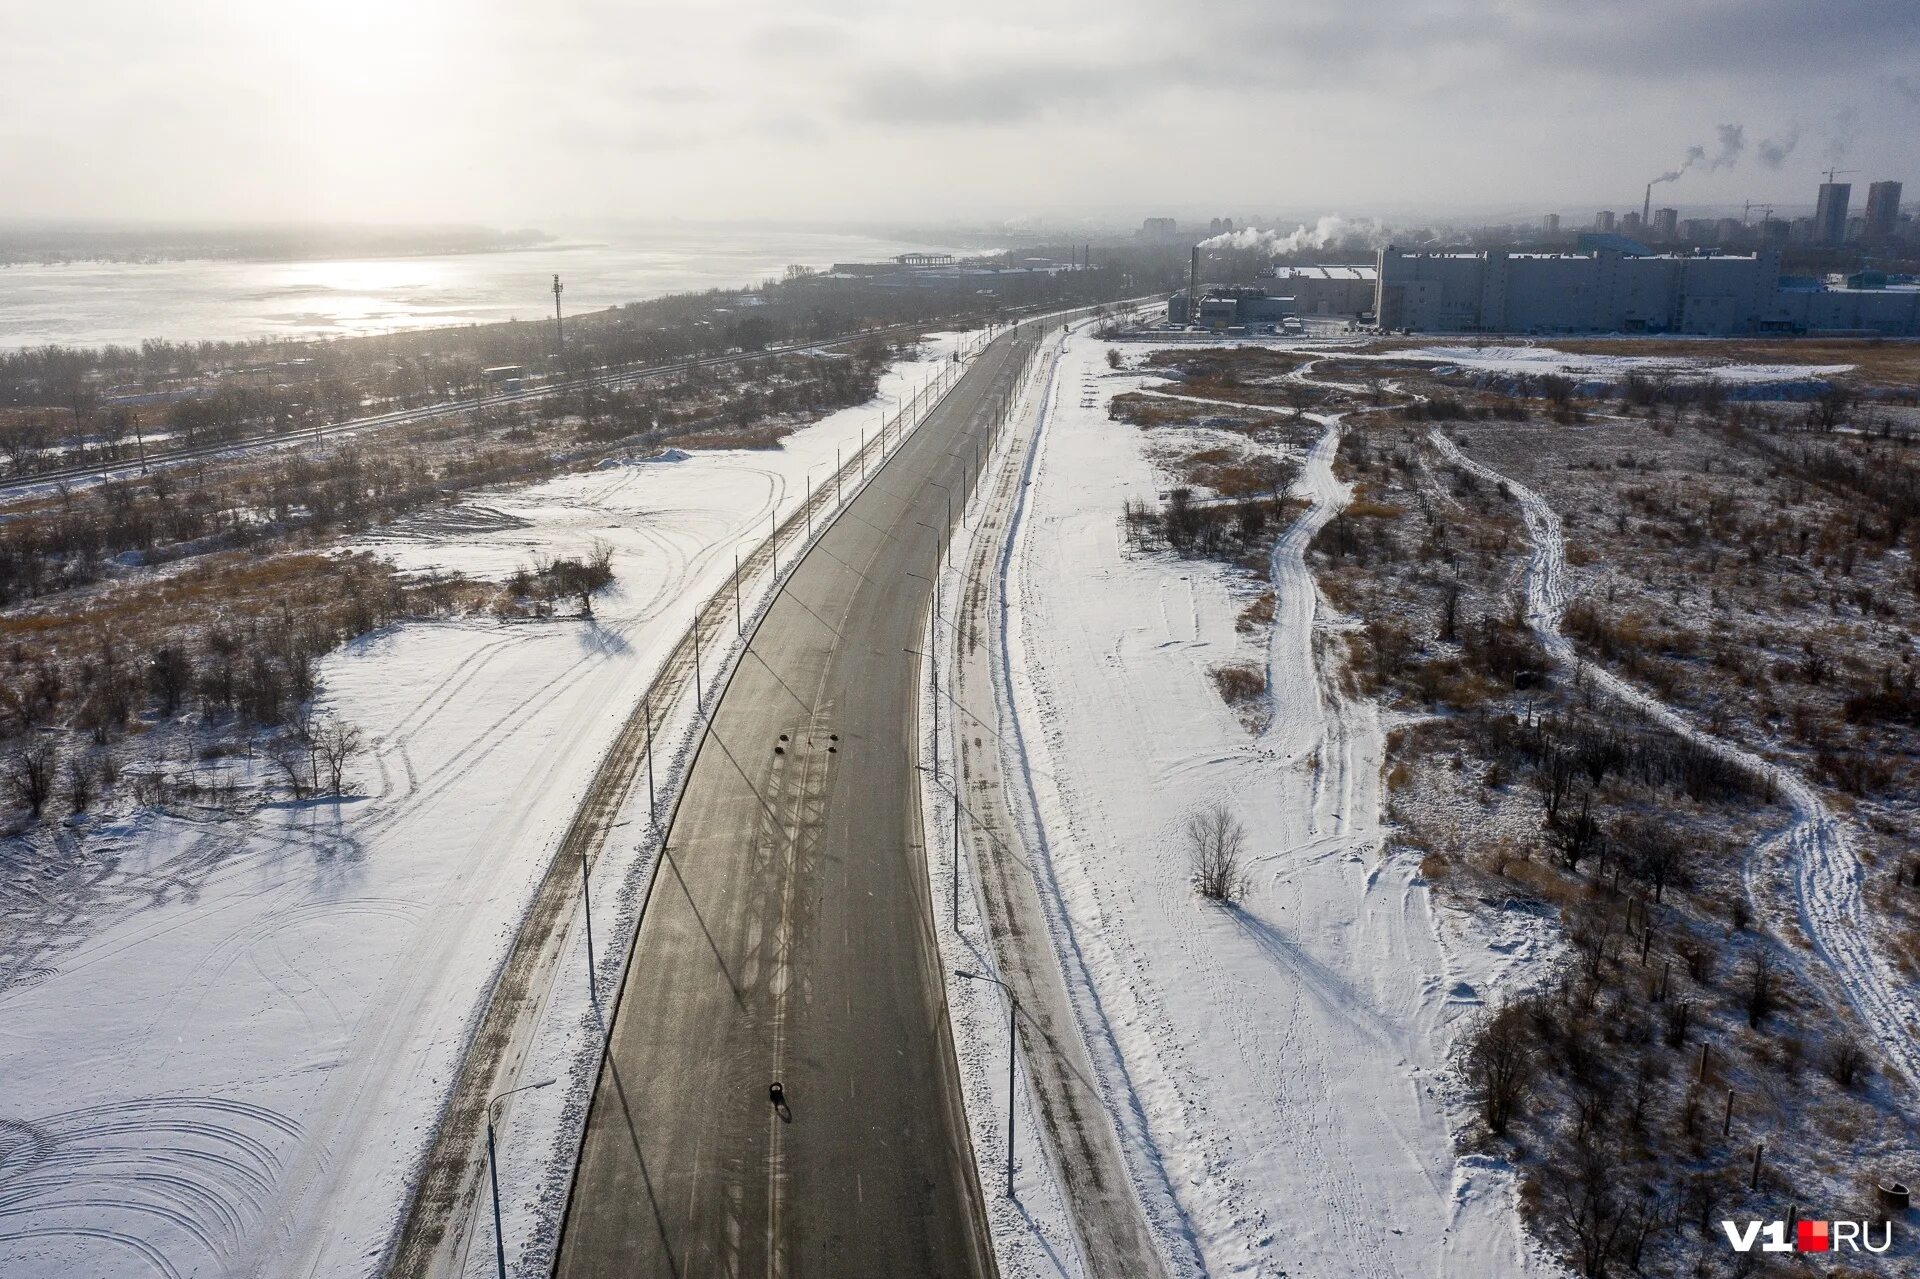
column 1813, row 1236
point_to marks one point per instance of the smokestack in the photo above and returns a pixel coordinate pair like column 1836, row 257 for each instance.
column 1646, row 208
column 1193, row 287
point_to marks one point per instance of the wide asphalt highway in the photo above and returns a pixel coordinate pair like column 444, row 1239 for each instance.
column 788, row 937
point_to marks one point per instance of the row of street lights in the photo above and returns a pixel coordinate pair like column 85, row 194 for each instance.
column 493, row 1103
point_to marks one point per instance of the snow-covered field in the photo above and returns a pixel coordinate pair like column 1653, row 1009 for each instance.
column 1510, row 360
column 238, row 1031
column 1826, row 870
column 1275, row 1072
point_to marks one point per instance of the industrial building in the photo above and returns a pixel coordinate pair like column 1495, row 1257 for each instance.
column 1608, row 291
column 1288, row 292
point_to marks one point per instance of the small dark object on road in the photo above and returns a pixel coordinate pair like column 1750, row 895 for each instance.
column 777, row 1094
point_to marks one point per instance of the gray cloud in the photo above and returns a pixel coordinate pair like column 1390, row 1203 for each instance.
column 876, row 109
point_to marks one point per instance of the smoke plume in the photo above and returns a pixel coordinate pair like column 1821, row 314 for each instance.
column 1773, row 152
column 1696, row 154
column 1731, row 143
column 1330, row 229
column 1733, row 140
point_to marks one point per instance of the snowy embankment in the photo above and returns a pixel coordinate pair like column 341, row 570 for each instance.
column 1273, row 1069
column 241, row 1028
column 1033, row 1232
column 1826, row 870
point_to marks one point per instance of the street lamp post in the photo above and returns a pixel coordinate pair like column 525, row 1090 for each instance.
column 1013, row 1045
column 493, row 1175
column 933, row 670
column 947, row 532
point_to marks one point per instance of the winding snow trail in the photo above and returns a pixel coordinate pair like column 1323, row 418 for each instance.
column 1826, row 870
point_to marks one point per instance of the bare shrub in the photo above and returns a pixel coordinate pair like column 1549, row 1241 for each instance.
column 1238, row 684
column 1500, row 1064
column 1759, row 991
column 83, row 782
column 31, row 773
column 1847, row 1062
column 1216, row 848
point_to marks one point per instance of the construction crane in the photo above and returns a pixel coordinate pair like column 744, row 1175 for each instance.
column 1831, row 172
column 1766, row 212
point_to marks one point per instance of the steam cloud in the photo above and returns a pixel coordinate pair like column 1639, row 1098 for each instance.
column 1330, row 229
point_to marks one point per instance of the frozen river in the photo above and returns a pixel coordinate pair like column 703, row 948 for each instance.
column 95, row 303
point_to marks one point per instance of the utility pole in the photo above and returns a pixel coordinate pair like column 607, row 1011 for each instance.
column 559, row 333
column 653, row 817
column 586, row 900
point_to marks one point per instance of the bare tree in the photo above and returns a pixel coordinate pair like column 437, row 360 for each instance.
column 1500, row 1064
column 295, row 763
column 1759, row 996
column 83, row 780
column 31, row 773
column 1216, row 847
column 1592, row 1207
column 337, row 744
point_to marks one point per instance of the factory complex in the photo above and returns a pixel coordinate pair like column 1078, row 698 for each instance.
column 1610, row 291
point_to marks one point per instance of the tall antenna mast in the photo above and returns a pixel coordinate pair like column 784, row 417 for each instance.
column 559, row 333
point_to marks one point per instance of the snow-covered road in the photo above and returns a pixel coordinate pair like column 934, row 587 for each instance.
column 1817, row 845
column 1275, row 1066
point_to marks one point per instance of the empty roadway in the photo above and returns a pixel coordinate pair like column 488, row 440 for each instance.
column 787, row 936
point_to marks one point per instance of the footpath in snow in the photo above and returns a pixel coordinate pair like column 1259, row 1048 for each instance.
column 1271, row 1070
column 1826, row 870
column 237, row 1040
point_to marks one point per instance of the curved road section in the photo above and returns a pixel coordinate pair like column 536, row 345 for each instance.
column 788, row 938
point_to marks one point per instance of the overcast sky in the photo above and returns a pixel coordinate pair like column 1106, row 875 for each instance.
column 546, row 113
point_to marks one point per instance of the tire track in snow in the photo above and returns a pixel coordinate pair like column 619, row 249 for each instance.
column 1826, row 869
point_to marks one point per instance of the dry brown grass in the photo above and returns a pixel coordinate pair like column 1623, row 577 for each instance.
column 223, row 588
column 1240, row 683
